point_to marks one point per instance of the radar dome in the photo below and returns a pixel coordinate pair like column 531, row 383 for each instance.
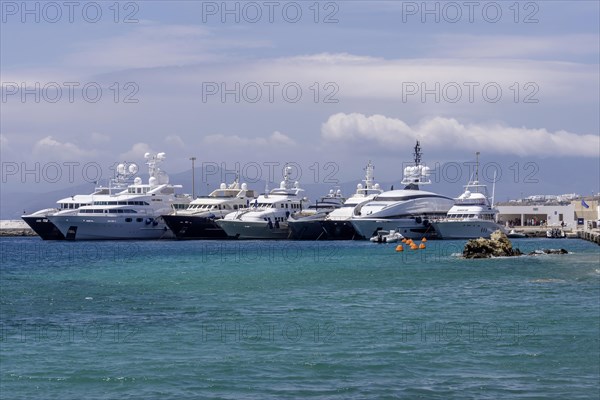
column 282, row 185
column 244, row 186
column 147, row 155
column 359, row 186
column 223, row 186
column 161, row 156
column 137, row 181
column 296, row 184
column 152, row 181
column 467, row 194
column 377, row 186
column 121, row 169
column 133, row 169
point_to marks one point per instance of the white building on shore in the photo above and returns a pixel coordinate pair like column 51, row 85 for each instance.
column 581, row 212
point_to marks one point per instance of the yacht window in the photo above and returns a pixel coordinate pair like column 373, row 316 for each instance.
column 235, row 207
column 128, row 219
column 139, row 219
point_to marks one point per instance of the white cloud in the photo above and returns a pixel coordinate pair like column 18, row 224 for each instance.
column 450, row 134
column 515, row 46
column 136, row 153
column 234, row 141
column 50, row 148
column 99, row 138
column 175, row 140
column 151, row 45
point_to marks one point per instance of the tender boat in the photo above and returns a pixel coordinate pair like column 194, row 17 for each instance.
column 555, row 233
column 387, row 237
column 337, row 225
column 409, row 210
column 515, row 235
column 266, row 217
column 198, row 220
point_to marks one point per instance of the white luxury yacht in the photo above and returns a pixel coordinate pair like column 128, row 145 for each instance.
column 407, row 211
column 337, row 224
column 39, row 222
column 306, row 224
column 472, row 215
column 266, row 217
column 197, row 221
column 134, row 213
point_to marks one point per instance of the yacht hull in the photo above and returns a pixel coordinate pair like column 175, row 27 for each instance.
column 111, row 228
column 340, row 230
column 465, row 229
column 191, row 227
column 239, row 229
column 307, row 230
column 407, row 227
column 44, row 228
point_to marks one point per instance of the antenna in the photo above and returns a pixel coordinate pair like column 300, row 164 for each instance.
column 494, row 189
column 417, row 153
column 477, row 167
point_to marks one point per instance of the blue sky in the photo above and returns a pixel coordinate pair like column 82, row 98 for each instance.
column 371, row 63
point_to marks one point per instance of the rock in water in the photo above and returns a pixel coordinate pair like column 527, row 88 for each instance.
column 497, row 245
column 548, row 251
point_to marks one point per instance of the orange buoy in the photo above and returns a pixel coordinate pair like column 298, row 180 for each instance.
column 424, row 240
column 422, row 246
column 399, row 248
column 414, row 247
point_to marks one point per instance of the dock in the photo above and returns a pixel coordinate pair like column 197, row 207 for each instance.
column 15, row 228
column 591, row 236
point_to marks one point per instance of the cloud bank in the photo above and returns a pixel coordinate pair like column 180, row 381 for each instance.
column 450, row 134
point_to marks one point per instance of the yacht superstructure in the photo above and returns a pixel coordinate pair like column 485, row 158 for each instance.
column 267, row 216
column 39, row 221
column 472, row 215
column 306, row 224
column 133, row 213
column 407, row 211
column 197, row 221
column 336, row 224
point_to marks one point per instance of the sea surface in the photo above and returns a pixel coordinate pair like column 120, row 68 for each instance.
column 296, row 320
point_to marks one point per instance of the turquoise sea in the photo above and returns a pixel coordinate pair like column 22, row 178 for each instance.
column 288, row 320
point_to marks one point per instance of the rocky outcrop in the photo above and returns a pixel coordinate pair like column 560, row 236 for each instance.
column 497, row 245
column 548, row 251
